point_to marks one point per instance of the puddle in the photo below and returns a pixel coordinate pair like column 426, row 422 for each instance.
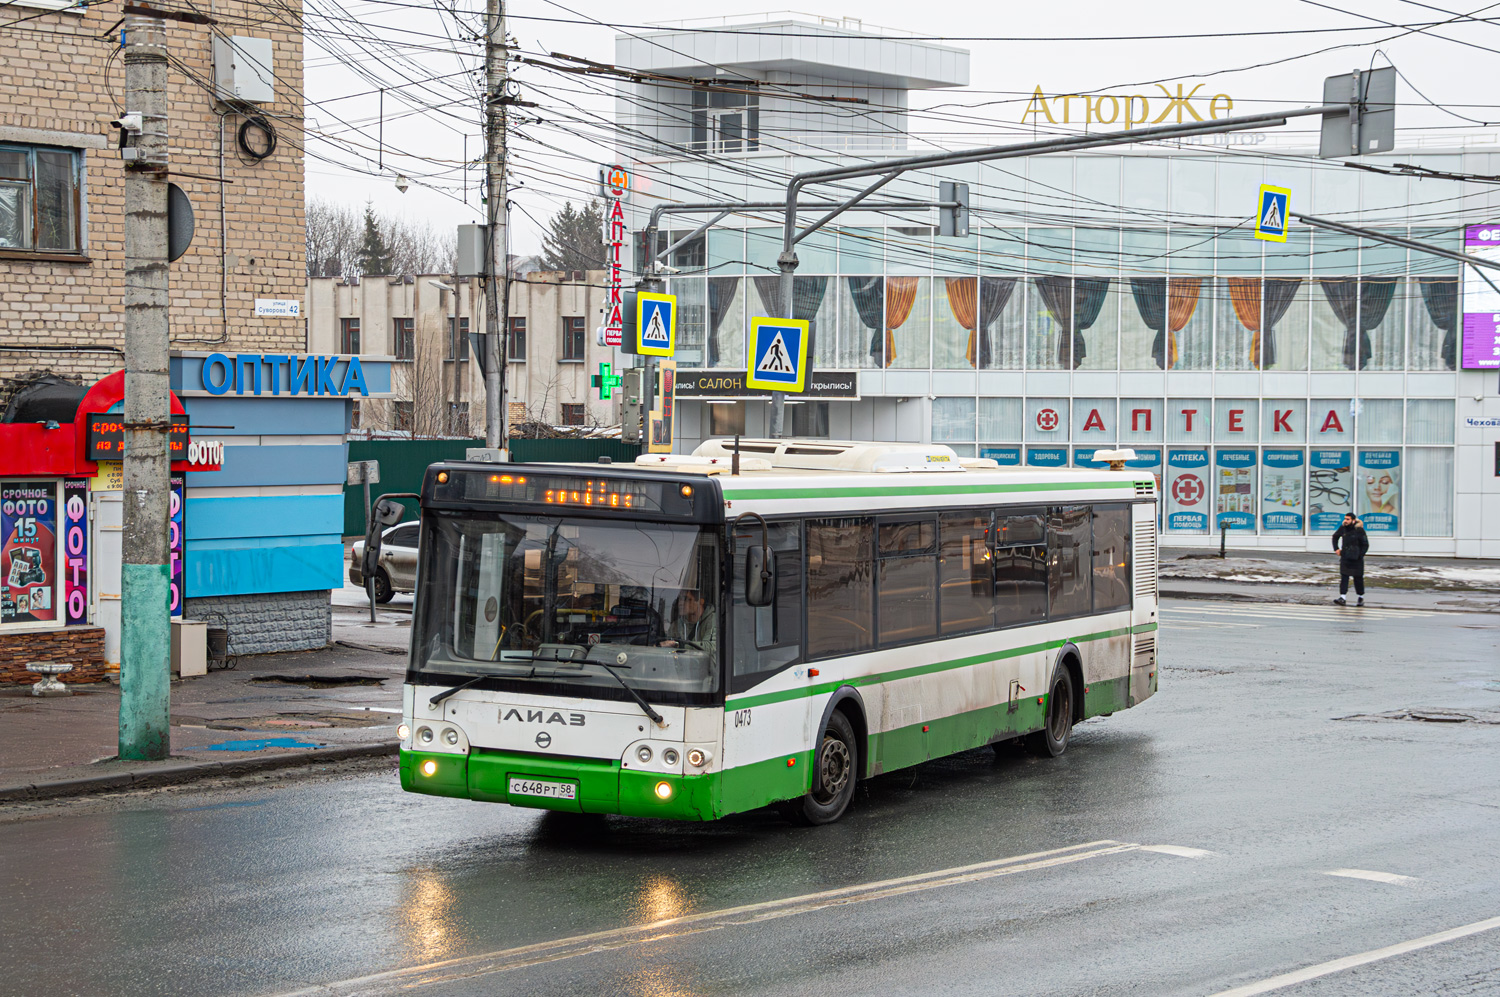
column 260, row 744
column 320, row 681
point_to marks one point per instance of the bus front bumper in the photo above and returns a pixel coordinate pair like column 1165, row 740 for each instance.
column 603, row 787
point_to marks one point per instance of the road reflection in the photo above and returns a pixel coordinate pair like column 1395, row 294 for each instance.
column 427, row 917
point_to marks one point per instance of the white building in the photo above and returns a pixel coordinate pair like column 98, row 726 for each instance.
column 1113, row 298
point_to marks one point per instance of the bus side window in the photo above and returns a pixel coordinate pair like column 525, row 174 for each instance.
column 840, row 586
column 1020, row 566
column 906, row 577
column 1069, row 561
column 767, row 638
column 966, row 572
column 1111, row 557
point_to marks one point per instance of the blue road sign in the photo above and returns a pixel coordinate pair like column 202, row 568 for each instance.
column 778, row 354
column 655, row 325
column 1271, row 219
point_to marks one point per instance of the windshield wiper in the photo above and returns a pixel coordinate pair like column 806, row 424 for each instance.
column 435, row 700
column 584, row 659
column 655, row 717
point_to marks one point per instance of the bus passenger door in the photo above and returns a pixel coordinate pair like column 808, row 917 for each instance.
column 1143, row 616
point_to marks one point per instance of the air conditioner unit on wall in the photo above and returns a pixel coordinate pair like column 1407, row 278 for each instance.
column 243, row 70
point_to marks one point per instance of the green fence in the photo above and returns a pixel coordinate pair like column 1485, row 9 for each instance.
column 403, row 463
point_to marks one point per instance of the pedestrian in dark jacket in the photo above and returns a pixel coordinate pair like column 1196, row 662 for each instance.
column 1351, row 542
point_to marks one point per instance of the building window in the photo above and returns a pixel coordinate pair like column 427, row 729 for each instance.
column 573, row 414
column 403, row 417
column 726, row 122
column 458, row 339
column 574, row 340
column 348, row 335
column 517, row 337
column 458, row 419
column 354, row 417
column 39, row 205
column 406, row 339
column 809, row 419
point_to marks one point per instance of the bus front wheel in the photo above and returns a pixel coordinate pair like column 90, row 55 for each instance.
column 833, row 774
column 1052, row 739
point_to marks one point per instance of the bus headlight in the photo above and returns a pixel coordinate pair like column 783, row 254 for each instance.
column 670, row 756
column 697, row 758
column 403, row 732
column 424, row 734
column 663, row 790
column 450, row 735
column 643, row 753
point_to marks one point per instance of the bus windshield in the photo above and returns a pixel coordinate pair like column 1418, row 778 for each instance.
column 552, row 601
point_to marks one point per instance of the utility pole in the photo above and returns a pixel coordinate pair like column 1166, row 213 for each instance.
column 145, row 594
column 497, row 279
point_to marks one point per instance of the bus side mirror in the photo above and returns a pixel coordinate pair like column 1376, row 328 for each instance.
column 386, row 512
column 760, row 576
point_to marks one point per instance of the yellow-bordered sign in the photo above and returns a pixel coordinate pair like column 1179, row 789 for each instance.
column 778, row 354
column 1271, row 220
column 655, row 323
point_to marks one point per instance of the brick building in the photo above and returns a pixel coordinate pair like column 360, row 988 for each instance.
column 260, row 531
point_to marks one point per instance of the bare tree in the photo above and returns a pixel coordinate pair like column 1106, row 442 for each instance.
column 336, row 232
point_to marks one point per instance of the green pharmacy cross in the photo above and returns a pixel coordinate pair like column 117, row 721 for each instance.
column 606, row 381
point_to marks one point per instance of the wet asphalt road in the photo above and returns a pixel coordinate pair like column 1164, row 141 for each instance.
column 1239, row 766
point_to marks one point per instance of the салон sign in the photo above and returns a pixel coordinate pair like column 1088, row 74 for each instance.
column 300, row 375
column 1129, row 110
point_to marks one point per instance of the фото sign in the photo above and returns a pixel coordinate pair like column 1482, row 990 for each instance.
column 76, row 551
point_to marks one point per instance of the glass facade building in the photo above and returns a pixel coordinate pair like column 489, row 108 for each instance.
column 1120, row 299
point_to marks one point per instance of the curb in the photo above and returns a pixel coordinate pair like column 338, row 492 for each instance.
column 169, row 775
column 1239, row 597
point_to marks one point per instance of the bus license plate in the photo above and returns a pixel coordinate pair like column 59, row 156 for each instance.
column 538, row 787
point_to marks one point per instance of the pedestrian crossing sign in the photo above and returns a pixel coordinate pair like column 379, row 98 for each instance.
column 777, row 354
column 655, row 323
column 1271, row 220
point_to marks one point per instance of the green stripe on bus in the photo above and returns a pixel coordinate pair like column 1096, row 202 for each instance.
column 822, row 688
column 876, row 491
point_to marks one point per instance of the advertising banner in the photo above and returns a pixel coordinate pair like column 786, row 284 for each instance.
column 1379, row 488
column 1481, row 338
column 177, row 544
column 1004, row 456
column 1234, row 494
column 1187, row 490
column 28, row 551
column 1330, row 489
column 76, row 551
column 1084, row 457
column 1282, row 494
column 1047, row 456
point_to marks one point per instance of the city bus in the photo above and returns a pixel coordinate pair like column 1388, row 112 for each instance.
column 765, row 622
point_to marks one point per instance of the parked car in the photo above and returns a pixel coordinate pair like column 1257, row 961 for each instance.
column 398, row 562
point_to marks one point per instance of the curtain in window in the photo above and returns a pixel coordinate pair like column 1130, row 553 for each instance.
column 807, row 298
column 994, row 294
column 963, row 302
column 1361, row 306
column 869, row 302
column 1150, row 294
column 1429, row 492
column 1074, row 305
column 1383, row 341
column 1182, row 301
column 1276, row 298
column 1440, row 297
column 900, row 296
column 1088, row 302
column 721, row 292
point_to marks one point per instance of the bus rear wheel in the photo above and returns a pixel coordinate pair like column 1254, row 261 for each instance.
column 833, row 775
column 1052, row 739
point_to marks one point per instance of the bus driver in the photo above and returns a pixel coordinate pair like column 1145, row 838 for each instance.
column 696, row 626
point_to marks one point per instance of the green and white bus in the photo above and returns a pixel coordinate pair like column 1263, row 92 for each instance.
column 694, row 636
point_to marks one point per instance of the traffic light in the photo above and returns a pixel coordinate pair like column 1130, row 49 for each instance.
column 953, row 222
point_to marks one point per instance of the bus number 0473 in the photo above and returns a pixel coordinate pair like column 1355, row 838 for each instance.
column 742, row 718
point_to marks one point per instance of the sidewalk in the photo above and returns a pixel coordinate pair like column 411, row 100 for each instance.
column 271, row 711
column 1391, row 581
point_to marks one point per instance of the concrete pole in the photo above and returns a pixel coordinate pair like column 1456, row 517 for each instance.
column 497, row 280
column 145, row 594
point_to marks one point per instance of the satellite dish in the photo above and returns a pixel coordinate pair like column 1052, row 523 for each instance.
column 179, row 222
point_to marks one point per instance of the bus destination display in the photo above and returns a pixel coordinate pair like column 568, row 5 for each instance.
column 622, row 494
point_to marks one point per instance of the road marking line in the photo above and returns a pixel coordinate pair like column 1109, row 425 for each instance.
column 1305, row 612
column 1374, row 877
column 1181, row 851
column 1363, row 958
column 600, row 941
